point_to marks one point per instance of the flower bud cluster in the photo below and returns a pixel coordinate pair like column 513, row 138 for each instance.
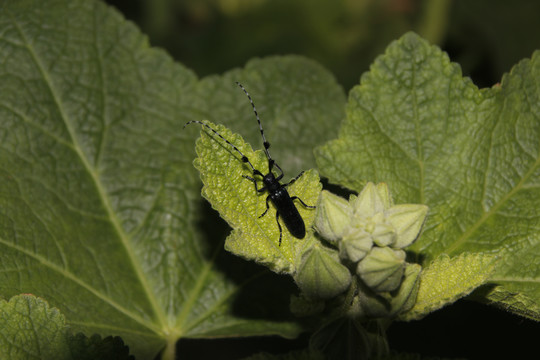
column 370, row 233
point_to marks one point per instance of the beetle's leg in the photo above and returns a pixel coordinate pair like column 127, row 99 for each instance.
column 303, row 203
column 267, row 207
column 293, row 180
column 254, row 183
column 279, row 226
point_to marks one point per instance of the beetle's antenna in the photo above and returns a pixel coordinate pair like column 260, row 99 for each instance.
column 244, row 157
column 266, row 144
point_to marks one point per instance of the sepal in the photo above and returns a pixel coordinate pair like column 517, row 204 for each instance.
column 320, row 274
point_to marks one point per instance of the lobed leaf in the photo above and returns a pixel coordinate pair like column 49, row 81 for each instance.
column 447, row 279
column 472, row 156
column 100, row 207
column 31, row 329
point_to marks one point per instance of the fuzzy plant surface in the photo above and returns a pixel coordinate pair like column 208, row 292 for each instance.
column 471, row 155
column 108, row 249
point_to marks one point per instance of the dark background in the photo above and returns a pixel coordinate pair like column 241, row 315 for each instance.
column 486, row 37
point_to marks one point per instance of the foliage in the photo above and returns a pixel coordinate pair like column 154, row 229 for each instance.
column 470, row 155
column 101, row 216
column 31, row 329
column 100, row 206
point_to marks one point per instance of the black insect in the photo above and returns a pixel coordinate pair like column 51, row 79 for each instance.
column 277, row 192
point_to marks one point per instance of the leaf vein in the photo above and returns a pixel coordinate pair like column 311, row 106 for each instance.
column 94, row 175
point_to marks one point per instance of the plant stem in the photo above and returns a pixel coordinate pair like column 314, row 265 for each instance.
column 169, row 352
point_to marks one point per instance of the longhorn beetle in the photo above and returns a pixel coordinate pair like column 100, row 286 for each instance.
column 277, row 192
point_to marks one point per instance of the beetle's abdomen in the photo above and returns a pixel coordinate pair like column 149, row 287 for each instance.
column 288, row 213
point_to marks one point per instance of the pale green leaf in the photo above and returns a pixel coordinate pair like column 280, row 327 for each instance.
column 254, row 237
column 472, row 156
column 447, row 279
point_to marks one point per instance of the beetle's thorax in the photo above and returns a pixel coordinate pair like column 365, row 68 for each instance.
column 270, row 182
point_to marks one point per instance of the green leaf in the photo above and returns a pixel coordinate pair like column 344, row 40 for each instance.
column 515, row 302
column 254, row 237
column 472, row 156
column 100, row 206
column 447, row 279
column 31, row 329
column 298, row 101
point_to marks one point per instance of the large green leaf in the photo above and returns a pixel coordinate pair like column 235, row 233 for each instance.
column 100, row 205
column 473, row 156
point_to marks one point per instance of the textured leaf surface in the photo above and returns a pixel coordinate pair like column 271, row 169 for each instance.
column 100, row 206
column 447, row 279
column 31, row 329
column 254, row 237
column 472, row 156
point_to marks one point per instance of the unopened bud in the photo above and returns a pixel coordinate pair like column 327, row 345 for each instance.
column 355, row 244
column 382, row 269
column 384, row 194
column 407, row 220
column 383, row 234
column 405, row 297
column 372, row 305
column 333, row 216
column 373, row 199
column 320, row 275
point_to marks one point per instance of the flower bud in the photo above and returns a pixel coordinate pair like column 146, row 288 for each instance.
column 320, row 275
column 340, row 337
column 407, row 220
column 371, row 305
column 355, row 244
column 384, row 194
column 373, row 199
column 383, row 234
column 405, row 297
column 374, row 305
column 382, row 269
column 333, row 216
